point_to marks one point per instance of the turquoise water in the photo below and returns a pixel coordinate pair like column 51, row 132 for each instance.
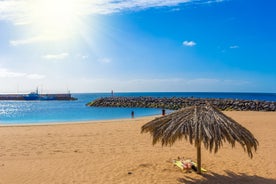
column 31, row 112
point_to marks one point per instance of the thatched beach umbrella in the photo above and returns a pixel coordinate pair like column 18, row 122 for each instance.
column 202, row 124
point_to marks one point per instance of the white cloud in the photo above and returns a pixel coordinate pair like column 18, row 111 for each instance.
column 26, row 41
column 17, row 11
column 214, row 1
column 21, row 13
column 201, row 81
column 11, row 9
column 35, row 76
column 158, row 84
column 56, row 56
column 36, row 39
column 80, row 57
column 234, row 47
column 84, row 57
column 104, row 60
column 182, row 84
column 5, row 73
column 189, row 43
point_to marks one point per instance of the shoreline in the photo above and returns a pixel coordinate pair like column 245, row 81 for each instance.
column 116, row 152
column 100, row 121
column 75, row 122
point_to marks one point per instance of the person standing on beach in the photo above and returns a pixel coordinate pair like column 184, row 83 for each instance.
column 132, row 114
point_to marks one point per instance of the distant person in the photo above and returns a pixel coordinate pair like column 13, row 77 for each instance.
column 132, row 114
column 163, row 112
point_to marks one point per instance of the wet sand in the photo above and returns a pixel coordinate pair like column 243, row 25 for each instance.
column 116, row 152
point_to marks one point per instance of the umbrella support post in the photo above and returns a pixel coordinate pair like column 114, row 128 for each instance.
column 199, row 159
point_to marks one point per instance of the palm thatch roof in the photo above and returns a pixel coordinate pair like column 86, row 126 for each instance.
column 201, row 124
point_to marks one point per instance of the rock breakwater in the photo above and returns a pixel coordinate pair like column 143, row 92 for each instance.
column 177, row 103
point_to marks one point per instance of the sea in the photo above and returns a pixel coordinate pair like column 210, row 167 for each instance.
column 41, row 112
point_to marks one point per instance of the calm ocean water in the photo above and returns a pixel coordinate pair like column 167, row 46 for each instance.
column 31, row 112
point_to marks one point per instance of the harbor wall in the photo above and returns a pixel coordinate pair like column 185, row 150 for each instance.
column 11, row 97
column 177, row 103
column 66, row 96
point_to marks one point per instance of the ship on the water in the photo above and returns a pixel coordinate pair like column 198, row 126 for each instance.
column 37, row 96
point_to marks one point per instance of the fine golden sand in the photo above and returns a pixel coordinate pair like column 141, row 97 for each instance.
column 115, row 152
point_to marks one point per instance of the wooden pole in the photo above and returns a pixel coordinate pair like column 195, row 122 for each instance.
column 198, row 141
column 199, row 158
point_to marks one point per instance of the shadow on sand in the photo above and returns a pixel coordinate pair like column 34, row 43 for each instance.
column 230, row 177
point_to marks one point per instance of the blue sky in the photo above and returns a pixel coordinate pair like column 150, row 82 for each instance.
column 138, row 45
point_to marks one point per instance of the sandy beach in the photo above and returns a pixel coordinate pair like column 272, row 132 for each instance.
column 116, row 152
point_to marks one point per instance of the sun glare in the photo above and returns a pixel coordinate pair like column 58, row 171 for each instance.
column 55, row 17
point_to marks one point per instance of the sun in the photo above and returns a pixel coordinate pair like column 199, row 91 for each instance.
column 55, row 17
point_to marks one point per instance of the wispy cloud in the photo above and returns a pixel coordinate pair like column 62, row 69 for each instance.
column 11, row 9
column 104, row 60
column 56, row 56
column 26, row 41
column 163, row 84
column 213, row 1
column 234, row 47
column 17, row 11
column 21, row 12
column 36, row 39
column 5, row 73
column 84, row 57
column 189, row 43
column 35, row 76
